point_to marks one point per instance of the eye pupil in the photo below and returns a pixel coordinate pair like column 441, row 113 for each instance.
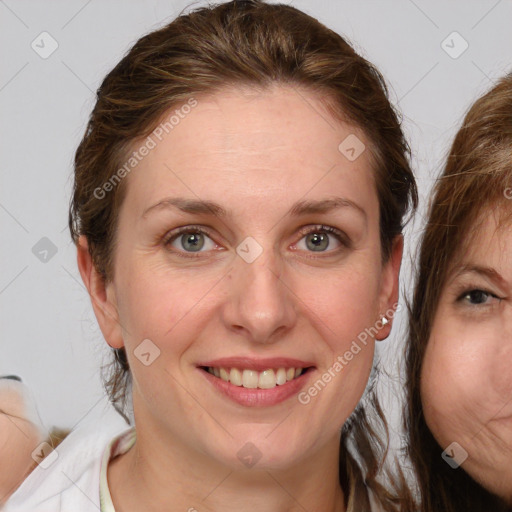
column 320, row 241
column 196, row 241
column 477, row 296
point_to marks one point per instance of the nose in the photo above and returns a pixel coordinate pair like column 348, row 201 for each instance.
column 259, row 306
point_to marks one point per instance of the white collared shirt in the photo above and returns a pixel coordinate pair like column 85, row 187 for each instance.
column 68, row 479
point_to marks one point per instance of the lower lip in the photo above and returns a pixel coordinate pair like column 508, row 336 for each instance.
column 258, row 397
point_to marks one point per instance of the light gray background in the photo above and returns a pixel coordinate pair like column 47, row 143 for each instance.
column 48, row 332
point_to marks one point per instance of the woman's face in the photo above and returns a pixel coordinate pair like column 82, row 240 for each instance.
column 466, row 380
column 256, row 283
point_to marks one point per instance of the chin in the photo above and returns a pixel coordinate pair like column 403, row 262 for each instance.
column 259, row 453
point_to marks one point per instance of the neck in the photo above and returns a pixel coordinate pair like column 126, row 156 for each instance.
column 165, row 476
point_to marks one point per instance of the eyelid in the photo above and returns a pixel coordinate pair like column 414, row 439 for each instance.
column 319, row 227
column 177, row 232
column 174, row 233
column 470, row 277
column 463, row 285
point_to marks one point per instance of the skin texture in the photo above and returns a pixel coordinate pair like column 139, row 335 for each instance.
column 466, row 379
column 255, row 153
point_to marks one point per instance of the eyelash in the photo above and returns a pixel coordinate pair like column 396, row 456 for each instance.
column 173, row 235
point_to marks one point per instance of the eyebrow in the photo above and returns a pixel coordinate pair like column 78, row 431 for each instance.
column 489, row 272
column 211, row 208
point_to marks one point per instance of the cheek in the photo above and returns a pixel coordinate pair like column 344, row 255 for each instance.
column 465, row 377
column 436, row 393
column 499, row 360
column 343, row 303
column 157, row 303
column 344, row 313
column 442, row 389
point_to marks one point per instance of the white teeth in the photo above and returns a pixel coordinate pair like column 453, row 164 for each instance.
column 250, row 379
column 253, row 379
column 281, row 377
column 235, row 377
column 267, row 380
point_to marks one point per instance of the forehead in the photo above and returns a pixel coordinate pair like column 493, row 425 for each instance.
column 489, row 239
column 262, row 144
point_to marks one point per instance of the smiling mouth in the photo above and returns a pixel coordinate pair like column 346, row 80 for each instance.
column 252, row 379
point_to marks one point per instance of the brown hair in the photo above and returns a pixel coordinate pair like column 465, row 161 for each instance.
column 477, row 176
column 238, row 43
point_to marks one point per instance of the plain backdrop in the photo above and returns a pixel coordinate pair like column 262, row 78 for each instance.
column 436, row 56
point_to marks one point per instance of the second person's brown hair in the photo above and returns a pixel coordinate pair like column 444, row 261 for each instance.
column 477, row 175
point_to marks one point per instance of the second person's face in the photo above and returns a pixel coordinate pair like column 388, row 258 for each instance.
column 466, row 380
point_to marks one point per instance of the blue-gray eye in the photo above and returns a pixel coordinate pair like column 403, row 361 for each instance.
column 317, row 241
column 192, row 241
column 320, row 238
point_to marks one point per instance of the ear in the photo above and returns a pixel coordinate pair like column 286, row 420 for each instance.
column 390, row 288
column 102, row 296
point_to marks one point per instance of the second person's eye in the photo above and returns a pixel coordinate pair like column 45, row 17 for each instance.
column 476, row 297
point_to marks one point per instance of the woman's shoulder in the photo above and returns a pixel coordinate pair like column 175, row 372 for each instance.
column 67, row 478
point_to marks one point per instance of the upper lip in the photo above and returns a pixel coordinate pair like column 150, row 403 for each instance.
column 256, row 364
